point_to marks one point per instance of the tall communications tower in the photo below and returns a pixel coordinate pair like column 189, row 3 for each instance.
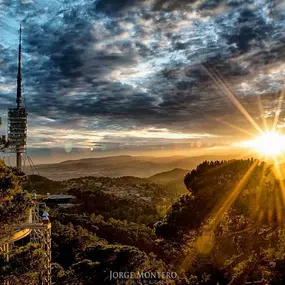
column 17, row 117
column 39, row 229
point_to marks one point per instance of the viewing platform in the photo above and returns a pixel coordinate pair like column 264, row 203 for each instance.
column 38, row 230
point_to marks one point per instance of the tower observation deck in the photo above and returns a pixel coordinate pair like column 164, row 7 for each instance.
column 17, row 117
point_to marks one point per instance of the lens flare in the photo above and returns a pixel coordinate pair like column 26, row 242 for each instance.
column 68, row 147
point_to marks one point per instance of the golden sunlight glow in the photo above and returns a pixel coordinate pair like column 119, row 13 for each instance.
column 270, row 143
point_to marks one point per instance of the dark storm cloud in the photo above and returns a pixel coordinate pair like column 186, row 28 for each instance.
column 113, row 6
column 249, row 27
column 64, row 58
column 170, row 5
column 125, row 64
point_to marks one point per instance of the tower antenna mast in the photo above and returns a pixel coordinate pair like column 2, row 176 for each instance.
column 19, row 92
column 19, row 76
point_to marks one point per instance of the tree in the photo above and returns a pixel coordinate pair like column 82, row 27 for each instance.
column 229, row 228
column 14, row 203
column 24, row 265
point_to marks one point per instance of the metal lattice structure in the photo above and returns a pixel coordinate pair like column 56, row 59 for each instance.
column 4, row 143
column 5, row 249
column 40, row 233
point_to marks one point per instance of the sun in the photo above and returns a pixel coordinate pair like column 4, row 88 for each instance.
column 269, row 143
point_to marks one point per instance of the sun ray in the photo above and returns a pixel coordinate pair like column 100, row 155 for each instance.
column 235, row 127
column 205, row 241
column 261, row 109
column 245, row 155
column 203, row 114
column 270, row 208
column 259, row 191
column 226, row 90
column 282, row 191
column 278, row 207
column 281, row 181
column 233, row 196
column 277, row 113
column 226, row 163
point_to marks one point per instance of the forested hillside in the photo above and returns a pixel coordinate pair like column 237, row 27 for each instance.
column 15, row 204
column 228, row 228
column 231, row 226
column 25, row 262
column 172, row 179
column 125, row 198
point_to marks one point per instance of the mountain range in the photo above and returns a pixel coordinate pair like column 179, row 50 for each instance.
column 117, row 166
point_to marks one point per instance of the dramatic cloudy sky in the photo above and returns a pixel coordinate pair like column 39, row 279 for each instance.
column 123, row 73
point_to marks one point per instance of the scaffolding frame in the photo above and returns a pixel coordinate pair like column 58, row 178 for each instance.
column 40, row 233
